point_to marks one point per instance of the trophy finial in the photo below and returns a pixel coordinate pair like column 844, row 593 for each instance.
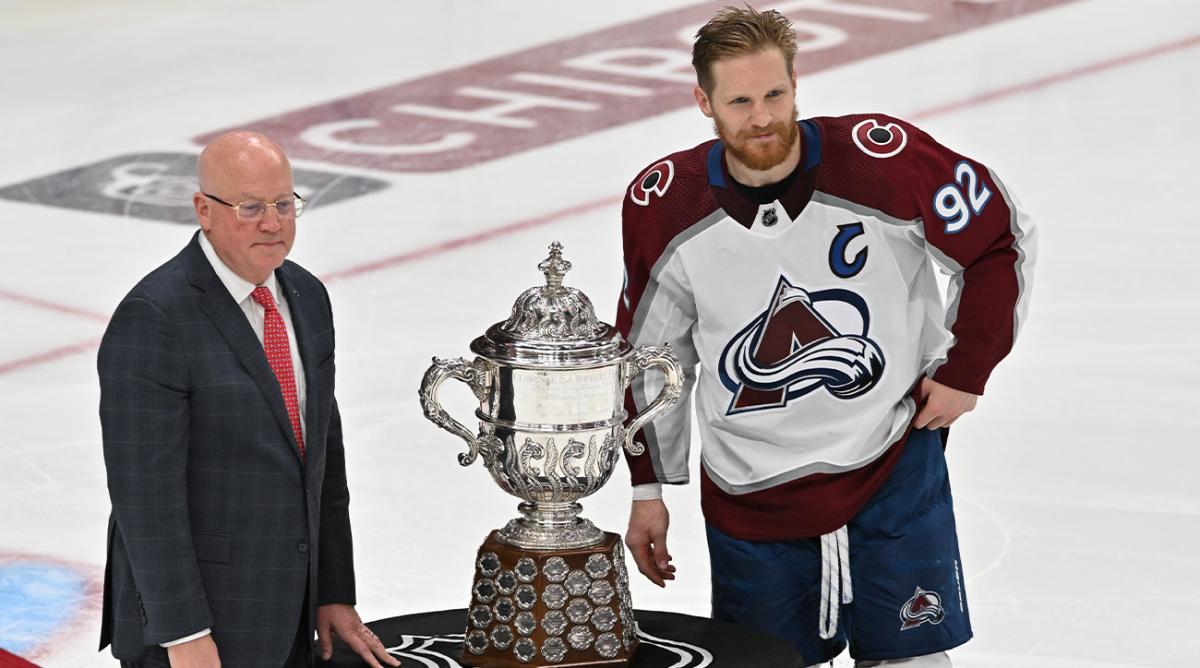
column 555, row 267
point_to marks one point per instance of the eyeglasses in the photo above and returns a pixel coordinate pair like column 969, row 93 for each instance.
column 252, row 211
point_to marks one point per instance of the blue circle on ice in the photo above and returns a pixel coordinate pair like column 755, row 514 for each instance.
column 36, row 600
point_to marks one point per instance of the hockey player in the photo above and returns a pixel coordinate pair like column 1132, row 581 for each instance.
column 792, row 261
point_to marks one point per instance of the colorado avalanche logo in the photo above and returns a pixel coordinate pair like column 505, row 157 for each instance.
column 792, row 349
column 654, row 181
column 924, row 606
column 879, row 141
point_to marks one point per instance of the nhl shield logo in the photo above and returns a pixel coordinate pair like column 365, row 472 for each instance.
column 792, row 348
column 924, row 606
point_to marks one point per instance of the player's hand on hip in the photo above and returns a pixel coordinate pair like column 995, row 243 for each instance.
column 343, row 621
column 647, row 540
column 940, row 405
column 198, row 653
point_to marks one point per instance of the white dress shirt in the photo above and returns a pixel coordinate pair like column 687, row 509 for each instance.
column 240, row 289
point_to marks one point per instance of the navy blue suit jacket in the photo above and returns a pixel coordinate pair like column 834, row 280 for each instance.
column 216, row 522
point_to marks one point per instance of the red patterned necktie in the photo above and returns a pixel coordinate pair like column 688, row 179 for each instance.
column 279, row 356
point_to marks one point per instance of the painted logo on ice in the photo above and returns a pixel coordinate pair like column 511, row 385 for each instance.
column 924, row 606
column 446, row 650
column 793, row 348
column 159, row 186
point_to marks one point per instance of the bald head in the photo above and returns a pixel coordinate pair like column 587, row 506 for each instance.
column 233, row 153
column 237, row 167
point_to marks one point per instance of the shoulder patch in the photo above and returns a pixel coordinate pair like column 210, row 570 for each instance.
column 879, row 141
column 654, row 181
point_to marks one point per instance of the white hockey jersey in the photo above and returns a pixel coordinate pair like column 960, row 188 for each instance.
column 812, row 318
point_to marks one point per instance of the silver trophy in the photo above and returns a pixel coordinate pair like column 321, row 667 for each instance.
column 551, row 382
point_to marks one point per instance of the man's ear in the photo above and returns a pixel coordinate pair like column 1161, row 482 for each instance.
column 702, row 101
column 203, row 210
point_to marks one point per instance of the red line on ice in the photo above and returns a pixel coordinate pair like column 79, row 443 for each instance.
column 51, row 306
column 1057, row 78
column 49, row 356
column 470, row 240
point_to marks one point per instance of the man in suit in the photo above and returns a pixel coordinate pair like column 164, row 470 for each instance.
column 229, row 540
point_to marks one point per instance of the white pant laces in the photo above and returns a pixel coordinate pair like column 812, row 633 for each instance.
column 836, row 588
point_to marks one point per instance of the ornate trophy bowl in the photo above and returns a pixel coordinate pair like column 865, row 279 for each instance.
column 551, row 382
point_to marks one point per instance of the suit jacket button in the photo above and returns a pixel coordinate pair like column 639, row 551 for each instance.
column 302, row 546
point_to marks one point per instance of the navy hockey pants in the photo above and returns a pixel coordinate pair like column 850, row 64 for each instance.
column 904, row 565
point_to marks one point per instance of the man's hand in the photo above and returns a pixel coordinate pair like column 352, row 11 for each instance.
column 342, row 620
column 198, row 653
column 939, row 405
column 647, row 540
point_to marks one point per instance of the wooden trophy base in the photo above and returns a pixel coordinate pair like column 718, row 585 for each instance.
column 539, row 608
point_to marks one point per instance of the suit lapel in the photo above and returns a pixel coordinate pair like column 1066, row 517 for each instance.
column 231, row 322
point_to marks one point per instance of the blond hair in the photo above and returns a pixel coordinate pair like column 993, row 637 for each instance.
column 737, row 32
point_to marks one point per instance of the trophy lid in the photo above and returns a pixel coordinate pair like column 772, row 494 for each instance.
column 552, row 325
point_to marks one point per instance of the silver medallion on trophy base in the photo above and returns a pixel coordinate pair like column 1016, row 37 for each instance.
column 551, row 589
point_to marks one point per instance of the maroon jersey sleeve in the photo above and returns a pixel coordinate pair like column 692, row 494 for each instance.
column 639, row 256
column 971, row 225
column 663, row 201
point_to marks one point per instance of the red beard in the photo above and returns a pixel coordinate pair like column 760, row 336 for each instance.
column 757, row 156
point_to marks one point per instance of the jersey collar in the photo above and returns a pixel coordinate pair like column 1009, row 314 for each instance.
column 794, row 200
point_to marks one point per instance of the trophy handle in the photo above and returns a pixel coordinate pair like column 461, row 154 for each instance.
column 475, row 376
column 643, row 358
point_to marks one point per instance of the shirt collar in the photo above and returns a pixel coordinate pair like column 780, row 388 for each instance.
column 238, row 287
